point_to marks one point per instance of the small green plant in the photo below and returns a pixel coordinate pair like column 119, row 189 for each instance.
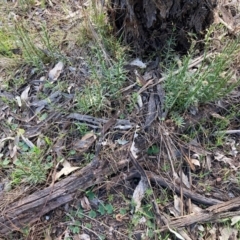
column 103, row 209
column 29, row 167
column 110, row 197
column 92, row 214
column 208, row 188
column 163, row 198
column 153, row 150
column 82, row 128
column 90, row 194
column 178, row 120
column 166, row 167
column 133, row 102
column 75, row 227
column 123, row 211
column 88, row 156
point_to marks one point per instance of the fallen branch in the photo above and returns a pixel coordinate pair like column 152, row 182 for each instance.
column 226, row 206
column 29, row 209
column 187, row 193
column 94, row 122
column 188, row 220
column 227, row 132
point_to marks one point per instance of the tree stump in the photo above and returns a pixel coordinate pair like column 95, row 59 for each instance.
column 148, row 24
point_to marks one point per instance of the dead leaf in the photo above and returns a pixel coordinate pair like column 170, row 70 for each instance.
column 122, row 141
column 195, row 208
column 142, row 220
column 13, row 151
column 47, row 235
column 119, row 217
column 201, row 228
column 27, row 141
column 138, row 63
column 139, row 192
column 59, row 145
column 184, row 179
column 3, row 142
column 56, row 71
column 134, row 150
column 232, row 143
column 152, row 111
column 85, row 142
column 176, row 234
column 235, row 220
column 19, row 102
column 220, row 157
column 184, row 234
column 213, row 235
column 209, row 162
column 139, row 101
column 85, row 203
column 67, row 169
column 24, row 95
column 216, row 115
column 195, row 162
column 173, row 211
column 177, row 204
column 228, row 233
column 139, row 78
column 84, row 236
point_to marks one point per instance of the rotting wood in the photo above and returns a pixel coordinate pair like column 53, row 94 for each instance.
column 226, row 206
column 188, row 220
column 32, row 207
column 29, row 209
column 97, row 122
column 148, row 24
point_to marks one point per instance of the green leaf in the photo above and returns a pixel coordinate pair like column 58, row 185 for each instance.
column 92, row 214
column 88, row 225
column 123, row 211
column 43, row 116
column 153, row 150
column 5, row 162
column 79, row 213
column 23, row 146
column 102, row 237
column 101, row 210
column 90, row 195
column 109, row 208
column 74, row 229
column 72, row 152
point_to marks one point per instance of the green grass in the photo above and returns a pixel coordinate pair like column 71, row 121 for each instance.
column 29, row 167
column 210, row 81
column 37, row 48
column 106, row 60
column 6, row 43
column 26, row 5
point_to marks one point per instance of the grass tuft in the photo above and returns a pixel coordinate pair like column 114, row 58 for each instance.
column 106, row 61
column 208, row 81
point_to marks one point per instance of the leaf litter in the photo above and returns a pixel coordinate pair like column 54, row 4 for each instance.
column 45, row 117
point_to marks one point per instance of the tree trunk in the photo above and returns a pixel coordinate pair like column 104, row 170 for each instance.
column 149, row 24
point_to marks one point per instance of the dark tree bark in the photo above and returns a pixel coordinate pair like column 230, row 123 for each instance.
column 148, row 24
